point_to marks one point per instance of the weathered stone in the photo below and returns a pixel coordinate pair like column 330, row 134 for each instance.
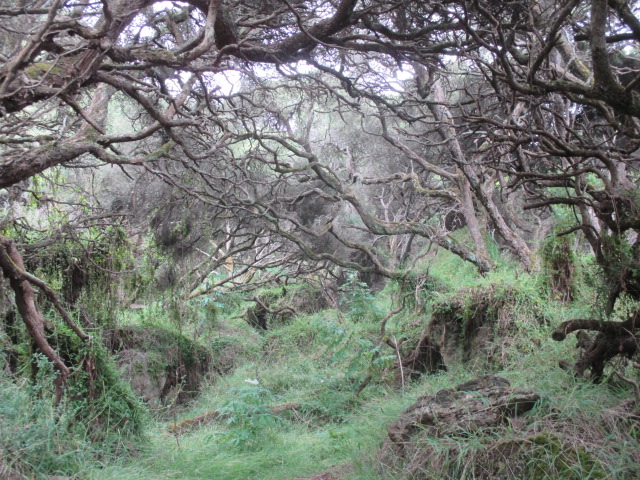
column 146, row 380
column 161, row 366
column 482, row 403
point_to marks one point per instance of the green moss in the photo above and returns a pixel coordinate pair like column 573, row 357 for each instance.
column 40, row 69
column 157, row 55
column 104, row 401
column 164, row 346
column 552, row 458
column 161, row 152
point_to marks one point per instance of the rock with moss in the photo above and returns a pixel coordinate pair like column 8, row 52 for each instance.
column 471, row 407
column 160, row 365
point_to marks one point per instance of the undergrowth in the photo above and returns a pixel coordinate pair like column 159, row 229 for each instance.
column 39, row 438
column 289, row 405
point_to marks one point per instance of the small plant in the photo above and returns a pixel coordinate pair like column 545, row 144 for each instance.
column 248, row 414
column 357, row 299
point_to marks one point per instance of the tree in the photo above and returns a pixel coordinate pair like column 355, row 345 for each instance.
column 482, row 106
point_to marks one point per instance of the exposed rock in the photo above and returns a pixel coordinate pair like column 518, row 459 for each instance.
column 161, row 366
column 485, row 402
column 474, row 326
column 147, row 380
column 308, row 299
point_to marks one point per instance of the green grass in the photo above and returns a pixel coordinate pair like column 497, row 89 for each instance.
column 318, row 360
column 293, row 449
column 347, row 433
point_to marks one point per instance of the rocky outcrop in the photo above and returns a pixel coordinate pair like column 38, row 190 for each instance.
column 161, row 366
column 478, row 326
column 146, row 375
column 485, row 402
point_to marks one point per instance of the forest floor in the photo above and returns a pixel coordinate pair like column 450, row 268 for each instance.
column 331, row 429
column 334, row 435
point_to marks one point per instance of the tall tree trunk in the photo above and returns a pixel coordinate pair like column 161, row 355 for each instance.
column 470, row 217
column 447, row 130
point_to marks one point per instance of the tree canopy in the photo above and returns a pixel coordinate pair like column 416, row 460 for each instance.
column 308, row 134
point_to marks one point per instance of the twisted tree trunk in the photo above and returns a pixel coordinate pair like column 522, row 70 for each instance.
column 20, row 282
column 612, row 339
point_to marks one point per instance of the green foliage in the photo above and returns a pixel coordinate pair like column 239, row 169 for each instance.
column 326, row 363
column 494, row 322
column 621, row 266
column 96, row 416
column 36, row 437
column 249, row 415
column 357, row 300
column 559, row 264
column 359, row 356
column 305, row 361
column 550, row 457
column 101, row 400
column 95, row 396
column 318, row 361
column 423, row 287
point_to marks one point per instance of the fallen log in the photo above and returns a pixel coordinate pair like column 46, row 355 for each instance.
column 189, row 424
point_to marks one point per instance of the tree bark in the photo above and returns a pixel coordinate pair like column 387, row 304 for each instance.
column 13, row 269
column 613, row 339
column 447, row 130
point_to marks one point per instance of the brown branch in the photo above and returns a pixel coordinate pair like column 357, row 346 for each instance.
column 627, row 15
column 383, row 323
column 277, row 311
column 51, row 295
column 565, row 328
column 14, row 12
column 620, row 37
column 13, row 268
